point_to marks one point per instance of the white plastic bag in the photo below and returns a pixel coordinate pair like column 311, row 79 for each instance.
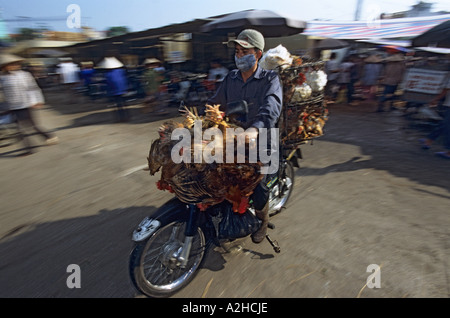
column 301, row 93
column 276, row 57
column 317, row 80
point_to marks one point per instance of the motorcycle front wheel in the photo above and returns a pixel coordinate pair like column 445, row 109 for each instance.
column 154, row 266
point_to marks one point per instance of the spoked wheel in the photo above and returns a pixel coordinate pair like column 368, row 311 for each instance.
column 155, row 266
column 281, row 191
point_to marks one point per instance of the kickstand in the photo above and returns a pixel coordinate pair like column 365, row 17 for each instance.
column 274, row 244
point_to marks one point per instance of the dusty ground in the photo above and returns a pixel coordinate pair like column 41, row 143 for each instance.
column 365, row 194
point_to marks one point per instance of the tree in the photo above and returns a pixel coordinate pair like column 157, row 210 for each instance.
column 30, row 33
column 27, row 34
column 117, row 30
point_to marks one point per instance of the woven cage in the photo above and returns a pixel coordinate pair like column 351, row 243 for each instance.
column 303, row 115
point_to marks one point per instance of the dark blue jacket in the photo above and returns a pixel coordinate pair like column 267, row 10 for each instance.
column 86, row 76
column 262, row 92
column 116, row 81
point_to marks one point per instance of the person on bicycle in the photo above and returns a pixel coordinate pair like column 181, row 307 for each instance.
column 262, row 91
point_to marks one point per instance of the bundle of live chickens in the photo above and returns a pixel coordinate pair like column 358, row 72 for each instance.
column 304, row 113
column 194, row 179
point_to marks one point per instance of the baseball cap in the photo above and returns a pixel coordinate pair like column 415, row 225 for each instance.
column 249, row 38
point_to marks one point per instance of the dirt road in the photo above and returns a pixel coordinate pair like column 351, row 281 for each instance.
column 365, row 194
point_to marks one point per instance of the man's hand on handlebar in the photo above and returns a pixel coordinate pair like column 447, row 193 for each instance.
column 250, row 134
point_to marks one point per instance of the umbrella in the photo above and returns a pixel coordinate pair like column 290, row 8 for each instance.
column 394, row 48
column 269, row 23
column 331, row 44
column 438, row 36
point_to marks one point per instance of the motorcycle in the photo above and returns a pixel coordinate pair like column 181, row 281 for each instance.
column 171, row 244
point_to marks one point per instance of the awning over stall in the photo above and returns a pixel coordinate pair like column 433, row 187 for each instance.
column 379, row 29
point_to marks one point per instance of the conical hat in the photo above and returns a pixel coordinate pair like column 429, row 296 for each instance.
column 110, row 63
column 394, row 58
column 151, row 61
column 9, row 58
column 373, row 59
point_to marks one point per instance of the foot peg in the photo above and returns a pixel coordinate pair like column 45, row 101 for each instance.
column 274, row 244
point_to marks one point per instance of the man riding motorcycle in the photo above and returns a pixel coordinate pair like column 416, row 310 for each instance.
column 262, row 91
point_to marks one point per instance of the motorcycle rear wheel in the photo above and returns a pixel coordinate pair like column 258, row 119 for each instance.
column 281, row 191
column 154, row 268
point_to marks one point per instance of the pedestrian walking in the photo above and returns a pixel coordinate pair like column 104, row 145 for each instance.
column 117, row 85
column 444, row 127
column 355, row 74
column 392, row 76
column 345, row 81
column 86, row 74
column 370, row 76
column 332, row 71
column 21, row 96
column 217, row 73
column 152, row 81
column 69, row 74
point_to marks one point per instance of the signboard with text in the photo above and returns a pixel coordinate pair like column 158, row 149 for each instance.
column 176, row 57
column 425, row 81
column 422, row 85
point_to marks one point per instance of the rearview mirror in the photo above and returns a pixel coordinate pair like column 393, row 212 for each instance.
column 239, row 108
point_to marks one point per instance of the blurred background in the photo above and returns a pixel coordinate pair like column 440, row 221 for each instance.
column 368, row 193
column 47, row 33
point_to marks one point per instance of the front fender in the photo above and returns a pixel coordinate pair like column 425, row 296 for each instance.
column 170, row 211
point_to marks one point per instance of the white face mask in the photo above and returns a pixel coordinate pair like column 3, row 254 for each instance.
column 246, row 62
